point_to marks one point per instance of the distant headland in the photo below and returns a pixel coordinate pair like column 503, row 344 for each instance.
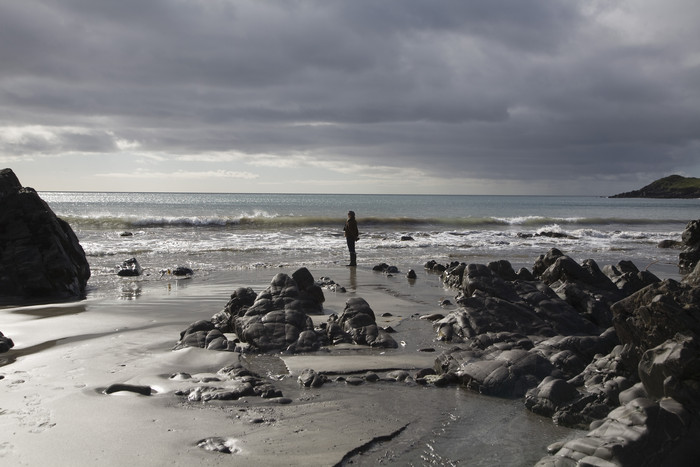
column 673, row 186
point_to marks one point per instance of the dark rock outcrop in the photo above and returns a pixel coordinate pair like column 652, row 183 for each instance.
column 357, row 325
column 690, row 254
column 628, row 278
column 277, row 319
column 548, row 335
column 642, row 432
column 651, row 381
column 518, row 330
column 40, row 256
column 654, row 315
column 615, row 350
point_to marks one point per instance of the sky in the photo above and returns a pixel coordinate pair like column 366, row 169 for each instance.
column 550, row 97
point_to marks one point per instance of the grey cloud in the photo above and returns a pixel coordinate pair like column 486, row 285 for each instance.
column 506, row 89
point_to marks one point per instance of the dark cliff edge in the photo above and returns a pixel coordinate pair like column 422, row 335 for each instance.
column 673, row 186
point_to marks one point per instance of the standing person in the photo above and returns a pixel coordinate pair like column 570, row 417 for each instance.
column 351, row 236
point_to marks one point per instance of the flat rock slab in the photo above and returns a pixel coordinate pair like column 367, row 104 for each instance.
column 344, row 364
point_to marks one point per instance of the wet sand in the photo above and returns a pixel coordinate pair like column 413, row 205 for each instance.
column 54, row 410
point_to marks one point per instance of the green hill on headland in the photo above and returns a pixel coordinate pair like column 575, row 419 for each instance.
column 673, row 186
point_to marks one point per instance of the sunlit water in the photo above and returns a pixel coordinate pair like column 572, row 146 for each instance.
column 214, row 232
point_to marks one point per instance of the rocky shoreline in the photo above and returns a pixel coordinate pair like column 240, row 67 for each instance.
column 613, row 350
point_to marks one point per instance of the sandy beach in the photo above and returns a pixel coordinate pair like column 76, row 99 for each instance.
column 54, row 409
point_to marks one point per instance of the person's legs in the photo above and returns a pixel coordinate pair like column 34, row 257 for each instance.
column 353, row 255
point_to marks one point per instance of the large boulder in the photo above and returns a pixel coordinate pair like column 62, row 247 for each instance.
column 40, row 256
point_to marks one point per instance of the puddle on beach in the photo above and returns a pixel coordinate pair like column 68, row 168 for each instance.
column 453, row 426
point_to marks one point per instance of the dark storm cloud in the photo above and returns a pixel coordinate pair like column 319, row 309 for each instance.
column 488, row 89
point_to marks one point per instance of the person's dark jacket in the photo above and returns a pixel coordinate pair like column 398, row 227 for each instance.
column 350, row 229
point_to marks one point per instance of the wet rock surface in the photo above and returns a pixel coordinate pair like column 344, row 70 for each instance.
column 231, row 383
column 279, row 319
column 612, row 349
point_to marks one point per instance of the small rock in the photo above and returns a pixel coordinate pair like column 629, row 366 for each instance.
column 371, row 377
column 122, row 387
column 432, row 317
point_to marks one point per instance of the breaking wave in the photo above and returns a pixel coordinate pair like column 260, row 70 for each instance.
column 264, row 221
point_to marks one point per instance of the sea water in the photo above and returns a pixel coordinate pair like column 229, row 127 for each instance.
column 212, row 232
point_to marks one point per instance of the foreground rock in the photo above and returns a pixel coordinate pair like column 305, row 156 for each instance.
column 278, row 319
column 614, row 350
column 657, row 421
column 40, row 256
column 643, row 432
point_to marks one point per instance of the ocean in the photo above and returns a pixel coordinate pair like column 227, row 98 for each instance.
column 215, row 232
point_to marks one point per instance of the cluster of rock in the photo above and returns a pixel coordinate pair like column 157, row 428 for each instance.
column 391, row 270
column 310, row 378
column 279, row 319
column 385, row 268
column 230, row 383
column 40, row 256
column 132, row 268
column 615, row 350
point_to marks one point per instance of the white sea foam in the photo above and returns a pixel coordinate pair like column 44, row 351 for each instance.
column 211, row 231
